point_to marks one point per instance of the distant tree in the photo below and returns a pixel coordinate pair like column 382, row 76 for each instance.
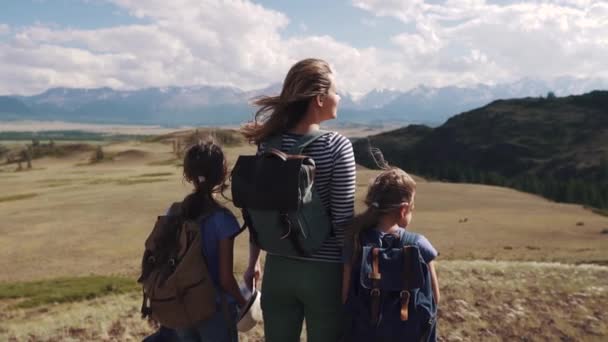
column 178, row 150
column 551, row 95
column 603, row 169
column 98, row 155
column 3, row 151
column 27, row 155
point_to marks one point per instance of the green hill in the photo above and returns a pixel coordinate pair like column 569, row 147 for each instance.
column 556, row 147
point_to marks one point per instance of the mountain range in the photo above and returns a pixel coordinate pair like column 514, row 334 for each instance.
column 211, row 105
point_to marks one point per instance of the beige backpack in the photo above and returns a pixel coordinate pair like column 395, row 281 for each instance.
column 177, row 288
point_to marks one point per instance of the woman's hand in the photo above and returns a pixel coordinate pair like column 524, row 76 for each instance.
column 254, row 270
column 345, row 282
column 252, row 275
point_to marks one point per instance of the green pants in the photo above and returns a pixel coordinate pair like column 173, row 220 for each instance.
column 294, row 290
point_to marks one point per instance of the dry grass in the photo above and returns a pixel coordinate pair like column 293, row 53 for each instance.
column 156, row 174
column 95, row 225
column 482, row 301
column 102, row 223
column 498, row 301
column 17, row 197
column 141, row 181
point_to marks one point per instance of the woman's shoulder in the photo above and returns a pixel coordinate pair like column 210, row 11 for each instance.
column 329, row 141
column 337, row 143
column 334, row 136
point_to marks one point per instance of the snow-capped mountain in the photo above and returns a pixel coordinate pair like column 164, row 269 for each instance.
column 211, row 105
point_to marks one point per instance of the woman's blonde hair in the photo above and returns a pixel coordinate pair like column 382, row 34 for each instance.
column 305, row 80
column 387, row 193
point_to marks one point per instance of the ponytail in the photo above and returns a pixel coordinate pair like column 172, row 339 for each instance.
column 204, row 167
column 361, row 223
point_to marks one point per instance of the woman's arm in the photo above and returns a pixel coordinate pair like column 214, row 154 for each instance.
column 343, row 184
column 253, row 272
column 227, row 280
column 434, row 282
column 345, row 282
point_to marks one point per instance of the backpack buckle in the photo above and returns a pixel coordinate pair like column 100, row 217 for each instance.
column 375, row 276
column 375, row 293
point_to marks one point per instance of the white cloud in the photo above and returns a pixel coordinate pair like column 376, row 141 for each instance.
column 471, row 40
column 241, row 44
column 186, row 42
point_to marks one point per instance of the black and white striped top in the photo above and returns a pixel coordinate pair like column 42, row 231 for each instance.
column 335, row 183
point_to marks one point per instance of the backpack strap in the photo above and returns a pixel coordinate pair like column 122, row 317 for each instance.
column 306, row 140
column 375, row 292
column 408, row 238
column 274, row 141
column 408, row 242
column 175, row 209
column 404, row 295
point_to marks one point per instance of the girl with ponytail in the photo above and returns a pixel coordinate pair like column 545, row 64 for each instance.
column 390, row 206
column 205, row 167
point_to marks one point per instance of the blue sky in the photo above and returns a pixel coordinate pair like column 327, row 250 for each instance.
column 371, row 44
column 338, row 19
column 72, row 13
column 316, row 17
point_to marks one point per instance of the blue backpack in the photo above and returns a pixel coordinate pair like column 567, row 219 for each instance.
column 391, row 296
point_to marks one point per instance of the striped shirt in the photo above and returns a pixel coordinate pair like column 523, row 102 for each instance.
column 335, row 184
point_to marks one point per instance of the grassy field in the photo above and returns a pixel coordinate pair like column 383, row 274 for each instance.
column 482, row 301
column 510, row 262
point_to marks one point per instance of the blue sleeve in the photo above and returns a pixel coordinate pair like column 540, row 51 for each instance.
column 223, row 225
column 428, row 252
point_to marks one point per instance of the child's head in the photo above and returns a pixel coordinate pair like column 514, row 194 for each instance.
column 392, row 195
column 204, row 167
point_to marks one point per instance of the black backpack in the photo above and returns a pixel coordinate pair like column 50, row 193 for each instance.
column 280, row 203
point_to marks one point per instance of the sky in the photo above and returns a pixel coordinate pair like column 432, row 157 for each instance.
column 370, row 44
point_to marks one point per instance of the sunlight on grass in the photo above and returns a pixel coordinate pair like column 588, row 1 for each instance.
column 163, row 162
column 63, row 290
column 140, row 181
column 17, row 197
column 156, row 174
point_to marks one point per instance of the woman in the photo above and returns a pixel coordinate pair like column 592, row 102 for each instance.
column 298, row 288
